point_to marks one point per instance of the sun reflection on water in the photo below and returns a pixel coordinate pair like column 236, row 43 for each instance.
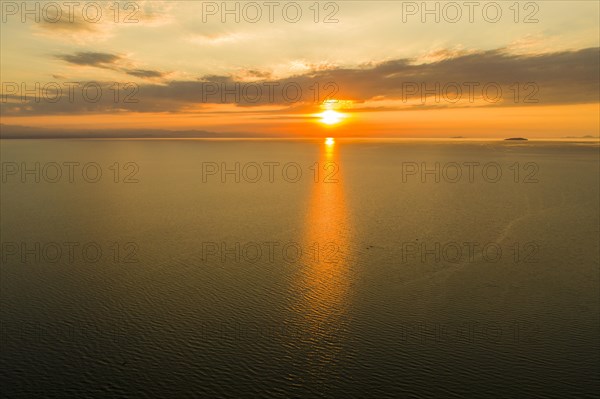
column 324, row 281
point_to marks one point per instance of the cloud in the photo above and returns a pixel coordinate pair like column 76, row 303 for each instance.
column 253, row 75
column 145, row 73
column 100, row 60
column 443, row 54
column 71, row 27
column 218, row 39
column 69, row 22
column 110, row 61
column 569, row 77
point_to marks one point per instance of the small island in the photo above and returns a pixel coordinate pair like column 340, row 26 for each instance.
column 517, row 138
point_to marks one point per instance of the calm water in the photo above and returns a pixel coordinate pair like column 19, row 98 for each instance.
column 323, row 271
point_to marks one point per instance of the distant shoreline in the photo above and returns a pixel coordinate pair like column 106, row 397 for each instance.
column 17, row 132
column 279, row 138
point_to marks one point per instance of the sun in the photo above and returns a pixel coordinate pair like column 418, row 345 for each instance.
column 331, row 117
column 329, row 141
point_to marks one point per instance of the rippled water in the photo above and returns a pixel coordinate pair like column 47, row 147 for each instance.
column 319, row 279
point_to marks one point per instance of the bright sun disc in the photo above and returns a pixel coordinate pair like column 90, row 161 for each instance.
column 331, row 117
column 329, row 141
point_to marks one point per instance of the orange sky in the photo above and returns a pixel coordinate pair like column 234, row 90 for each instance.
column 533, row 121
column 372, row 55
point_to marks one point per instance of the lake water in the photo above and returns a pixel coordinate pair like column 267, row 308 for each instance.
column 286, row 268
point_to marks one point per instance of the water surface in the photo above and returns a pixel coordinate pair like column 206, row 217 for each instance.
column 310, row 284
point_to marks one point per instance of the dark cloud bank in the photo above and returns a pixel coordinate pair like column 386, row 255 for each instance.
column 569, row 77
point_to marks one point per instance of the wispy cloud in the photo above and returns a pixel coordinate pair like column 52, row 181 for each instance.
column 219, row 39
column 110, row 61
column 145, row 73
column 100, row 60
column 66, row 21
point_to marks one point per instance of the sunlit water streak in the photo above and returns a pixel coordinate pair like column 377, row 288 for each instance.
column 324, row 282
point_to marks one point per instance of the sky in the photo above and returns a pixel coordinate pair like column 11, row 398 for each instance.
column 304, row 68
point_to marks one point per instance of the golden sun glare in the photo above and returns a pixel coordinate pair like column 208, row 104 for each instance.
column 331, row 117
column 329, row 141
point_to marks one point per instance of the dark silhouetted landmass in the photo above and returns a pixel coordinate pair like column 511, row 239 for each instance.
column 28, row 132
